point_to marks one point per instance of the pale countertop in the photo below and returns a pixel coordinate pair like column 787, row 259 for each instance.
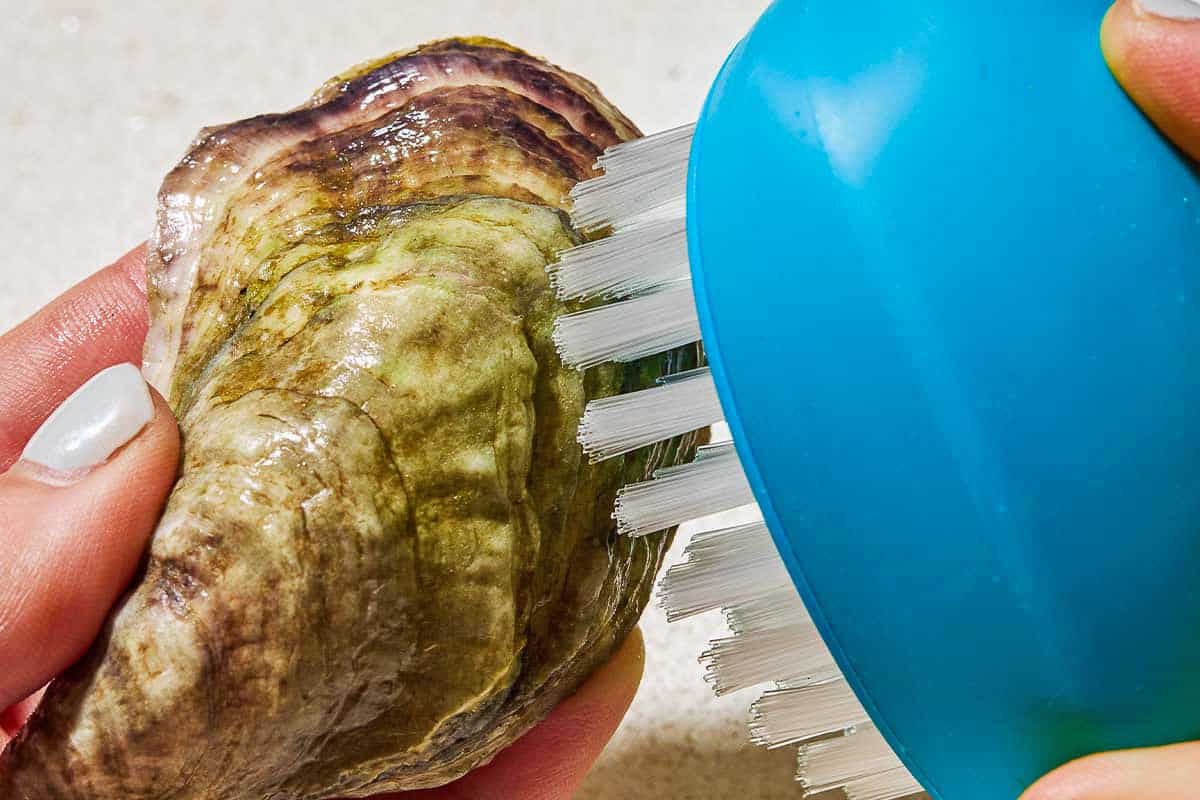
column 103, row 97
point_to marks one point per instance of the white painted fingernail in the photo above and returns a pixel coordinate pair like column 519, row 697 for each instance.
column 1174, row 9
column 101, row 416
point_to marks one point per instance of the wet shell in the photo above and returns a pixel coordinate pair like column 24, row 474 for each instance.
column 385, row 557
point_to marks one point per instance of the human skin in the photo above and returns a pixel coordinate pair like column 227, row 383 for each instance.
column 1156, row 60
column 384, row 558
column 63, row 561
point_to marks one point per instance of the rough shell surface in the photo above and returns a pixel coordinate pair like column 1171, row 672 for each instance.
column 384, row 558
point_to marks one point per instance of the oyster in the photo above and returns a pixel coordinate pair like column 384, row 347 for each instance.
column 385, row 557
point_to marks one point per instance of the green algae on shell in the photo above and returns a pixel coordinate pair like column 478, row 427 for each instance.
column 385, row 557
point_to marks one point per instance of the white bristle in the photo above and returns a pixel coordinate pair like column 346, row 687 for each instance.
column 891, row 785
column 612, row 426
column 639, row 177
column 795, row 714
column 712, row 483
column 774, row 639
column 835, row 763
column 714, row 449
column 773, row 609
column 644, row 264
column 793, row 654
column 724, row 567
column 635, row 157
column 628, row 262
column 630, row 329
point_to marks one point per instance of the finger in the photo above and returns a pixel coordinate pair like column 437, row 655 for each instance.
column 75, row 515
column 98, row 323
column 1164, row 773
column 1157, row 60
column 13, row 718
column 550, row 761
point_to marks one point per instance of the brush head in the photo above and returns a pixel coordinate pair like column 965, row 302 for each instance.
column 944, row 274
column 642, row 269
column 976, row 259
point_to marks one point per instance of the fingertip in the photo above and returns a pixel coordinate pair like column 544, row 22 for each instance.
column 70, row 548
column 1110, row 26
column 634, row 648
column 616, row 683
column 1156, row 60
column 1111, row 40
column 585, row 721
column 159, row 443
column 13, row 718
column 1072, row 781
column 1164, row 773
column 133, row 266
column 96, row 324
column 550, row 761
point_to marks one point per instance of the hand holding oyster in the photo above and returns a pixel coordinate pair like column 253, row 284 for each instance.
column 385, row 557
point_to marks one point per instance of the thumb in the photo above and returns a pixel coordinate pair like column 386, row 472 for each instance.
column 1164, row 773
column 75, row 514
column 551, row 761
column 1153, row 48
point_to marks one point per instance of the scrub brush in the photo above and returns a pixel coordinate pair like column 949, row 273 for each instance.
column 735, row 569
column 943, row 271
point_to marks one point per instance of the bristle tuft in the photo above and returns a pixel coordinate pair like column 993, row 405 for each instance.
column 792, row 653
column 630, row 329
column 613, row 426
column 849, row 761
column 723, row 567
column 797, row 714
column 629, row 262
column 891, row 785
column 771, row 609
column 714, row 482
column 640, row 177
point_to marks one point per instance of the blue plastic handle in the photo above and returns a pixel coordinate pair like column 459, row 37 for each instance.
column 949, row 280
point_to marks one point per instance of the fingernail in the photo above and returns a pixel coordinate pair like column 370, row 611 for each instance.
column 1173, row 9
column 101, row 416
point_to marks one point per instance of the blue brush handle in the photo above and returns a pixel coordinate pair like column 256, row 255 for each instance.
column 949, row 280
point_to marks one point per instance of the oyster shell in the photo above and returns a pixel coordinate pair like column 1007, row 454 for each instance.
column 385, row 557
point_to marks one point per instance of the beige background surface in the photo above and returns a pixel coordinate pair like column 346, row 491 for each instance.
column 100, row 99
